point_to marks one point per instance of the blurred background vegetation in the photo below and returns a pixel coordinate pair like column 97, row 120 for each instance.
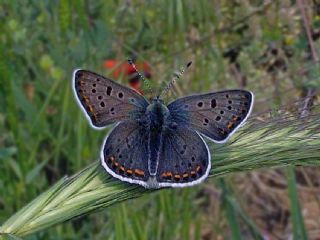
column 262, row 46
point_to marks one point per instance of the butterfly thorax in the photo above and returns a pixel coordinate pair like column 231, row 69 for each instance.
column 157, row 114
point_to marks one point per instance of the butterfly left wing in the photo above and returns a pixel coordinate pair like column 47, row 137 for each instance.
column 216, row 115
column 184, row 158
column 125, row 153
column 105, row 101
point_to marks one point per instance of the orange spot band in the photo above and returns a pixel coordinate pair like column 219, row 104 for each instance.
column 139, row 172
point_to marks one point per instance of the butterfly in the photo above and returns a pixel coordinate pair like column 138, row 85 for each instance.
column 153, row 144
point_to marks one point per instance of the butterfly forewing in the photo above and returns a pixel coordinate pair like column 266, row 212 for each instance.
column 215, row 115
column 106, row 101
column 125, row 153
column 184, row 158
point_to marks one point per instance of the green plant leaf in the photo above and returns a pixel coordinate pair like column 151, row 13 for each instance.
column 7, row 152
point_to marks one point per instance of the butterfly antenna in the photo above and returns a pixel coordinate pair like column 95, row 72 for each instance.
column 174, row 79
column 145, row 81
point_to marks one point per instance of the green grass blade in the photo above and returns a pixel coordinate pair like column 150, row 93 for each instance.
column 230, row 212
column 9, row 237
column 299, row 230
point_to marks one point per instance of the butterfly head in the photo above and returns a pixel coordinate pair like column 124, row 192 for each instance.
column 157, row 99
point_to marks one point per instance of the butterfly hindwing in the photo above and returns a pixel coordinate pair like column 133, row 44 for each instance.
column 184, row 158
column 215, row 115
column 125, row 153
column 106, row 101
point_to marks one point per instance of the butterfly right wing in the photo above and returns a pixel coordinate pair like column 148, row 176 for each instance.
column 216, row 115
column 184, row 158
column 105, row 101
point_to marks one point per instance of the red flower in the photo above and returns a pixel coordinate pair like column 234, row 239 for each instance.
column 124, row 68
